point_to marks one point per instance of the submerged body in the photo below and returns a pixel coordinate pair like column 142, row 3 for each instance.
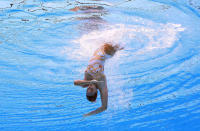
column 95, row 79
column 96, row 63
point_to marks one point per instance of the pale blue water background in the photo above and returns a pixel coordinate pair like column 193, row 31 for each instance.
column 154, row 84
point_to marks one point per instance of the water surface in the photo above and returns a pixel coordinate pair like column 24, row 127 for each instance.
column 154, row 83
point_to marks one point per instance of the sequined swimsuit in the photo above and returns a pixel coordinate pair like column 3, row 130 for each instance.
column 96, row 63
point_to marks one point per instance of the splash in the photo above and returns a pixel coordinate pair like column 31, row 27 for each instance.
column 162, row 36
column 4, row 4
column 143, row 38
column 138, row 39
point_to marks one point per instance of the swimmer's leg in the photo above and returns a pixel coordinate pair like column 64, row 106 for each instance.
column 87, row 76
column 111, row 49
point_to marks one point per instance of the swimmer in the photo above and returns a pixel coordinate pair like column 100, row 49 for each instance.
column 90, row 8
column 95, row 79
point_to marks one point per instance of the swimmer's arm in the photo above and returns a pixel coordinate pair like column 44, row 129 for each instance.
column 104, row 100
column 82, row 83
column 98, row 110
column 85, row 83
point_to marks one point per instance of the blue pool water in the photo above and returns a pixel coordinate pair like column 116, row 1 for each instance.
column 154, row 83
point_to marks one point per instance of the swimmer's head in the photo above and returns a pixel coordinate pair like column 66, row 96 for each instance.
column 91, row 93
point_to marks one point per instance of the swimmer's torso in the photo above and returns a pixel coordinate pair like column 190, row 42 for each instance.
column 96, row 63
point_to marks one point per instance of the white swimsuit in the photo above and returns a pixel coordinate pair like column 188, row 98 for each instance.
column 96, row 63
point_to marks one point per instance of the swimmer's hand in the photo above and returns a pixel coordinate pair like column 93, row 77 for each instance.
column 95, row 81
column 85, row 83
column 98, row 110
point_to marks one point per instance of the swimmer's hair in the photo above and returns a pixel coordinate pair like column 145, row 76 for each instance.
column 92, row 98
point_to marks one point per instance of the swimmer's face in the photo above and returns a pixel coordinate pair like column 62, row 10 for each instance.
column 92, row 89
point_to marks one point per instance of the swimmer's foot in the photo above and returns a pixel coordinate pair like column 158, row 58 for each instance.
column 117, row 47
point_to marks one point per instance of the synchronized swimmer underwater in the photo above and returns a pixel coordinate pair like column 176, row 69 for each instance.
column 95, row 79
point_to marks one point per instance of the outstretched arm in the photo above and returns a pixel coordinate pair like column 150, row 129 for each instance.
column 85, row 83
column 104, row 99
column 98, row 110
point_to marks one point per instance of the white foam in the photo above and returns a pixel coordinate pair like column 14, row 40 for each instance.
column 156, row 36
column 4, row 4
column 57, row 4
column 163, row 36
column 149, row 34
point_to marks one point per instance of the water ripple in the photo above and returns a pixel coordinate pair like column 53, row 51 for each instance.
column 153, row 83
